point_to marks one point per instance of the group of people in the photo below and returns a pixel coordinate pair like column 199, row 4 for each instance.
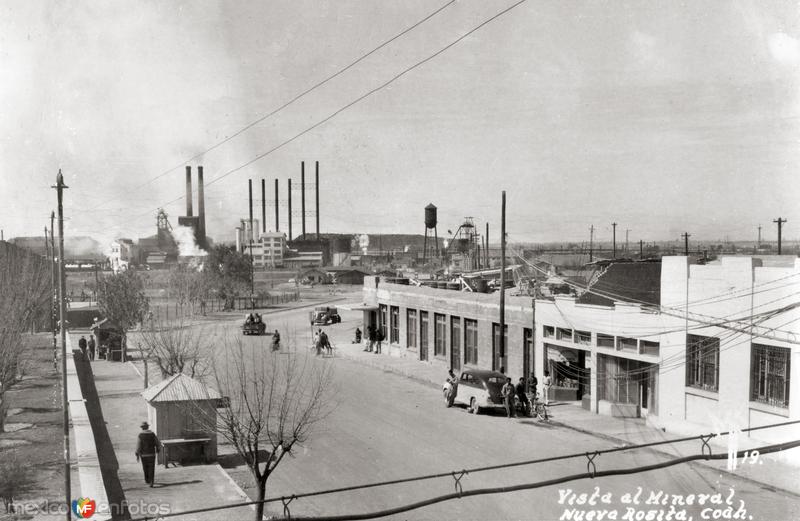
column 510, row 390
column 321, row 342
column 375, row 338
column 252, row 318
column 87, row 348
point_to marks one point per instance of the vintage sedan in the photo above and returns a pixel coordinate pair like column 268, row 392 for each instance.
column 478, row 389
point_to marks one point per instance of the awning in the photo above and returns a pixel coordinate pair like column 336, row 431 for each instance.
column 358, row 306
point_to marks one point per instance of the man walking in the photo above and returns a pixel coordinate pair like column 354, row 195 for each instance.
column 325, row 343
column 146, row 448
column 82, row 345
column 92, row 347
column 508, row 398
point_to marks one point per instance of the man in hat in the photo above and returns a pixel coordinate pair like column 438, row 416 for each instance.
column 82, row 345
column 146, row 448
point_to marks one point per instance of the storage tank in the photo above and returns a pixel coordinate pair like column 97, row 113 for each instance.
column 430, row 216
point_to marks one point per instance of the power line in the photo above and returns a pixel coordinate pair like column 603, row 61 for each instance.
column 591, row 474
column 295, row 98
column 356, row 101
column 701, row 437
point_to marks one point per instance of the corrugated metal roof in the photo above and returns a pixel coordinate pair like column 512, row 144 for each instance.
column 179, row 388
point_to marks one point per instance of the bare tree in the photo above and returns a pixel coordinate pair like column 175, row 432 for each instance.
column 25, row 293
column 16, row 478
column 177, row 346
column 122, row 300
column 273, row 402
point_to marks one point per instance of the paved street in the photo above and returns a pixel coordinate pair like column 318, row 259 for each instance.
column 387, row 427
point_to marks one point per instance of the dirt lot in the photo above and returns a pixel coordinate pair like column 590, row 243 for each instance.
column 34, row 429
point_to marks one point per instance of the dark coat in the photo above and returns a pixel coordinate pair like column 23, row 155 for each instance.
column 147, row 444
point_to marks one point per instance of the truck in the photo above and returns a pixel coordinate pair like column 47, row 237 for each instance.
column 324, row 316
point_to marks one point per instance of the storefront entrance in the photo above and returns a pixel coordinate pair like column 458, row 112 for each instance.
column 570, row 372
column 626, row 387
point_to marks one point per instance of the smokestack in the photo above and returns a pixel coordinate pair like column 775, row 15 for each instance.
column 316, row 189
column 201, row 207
column 277, row 223
column 188, row 191
column 290, row 209
column 263, row 206
column 250, row 201
column 303, row 195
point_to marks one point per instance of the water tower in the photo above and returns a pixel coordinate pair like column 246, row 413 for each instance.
column 430, row 224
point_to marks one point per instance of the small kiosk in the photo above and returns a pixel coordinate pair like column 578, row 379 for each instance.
column 182, row 412
column 108, row 338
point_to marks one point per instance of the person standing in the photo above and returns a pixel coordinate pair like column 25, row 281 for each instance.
column 276, row 341
column 508, row 398
column 371, row 336
column 546, row 383
column 379, row 337
column 82, row 345
column 452, row 379
column 92, row 347
column 523, row 398
column 147, row 446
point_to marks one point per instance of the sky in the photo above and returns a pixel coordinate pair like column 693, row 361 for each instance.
column 664, row 117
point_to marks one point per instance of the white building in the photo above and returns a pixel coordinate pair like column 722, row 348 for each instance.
column 122, row 254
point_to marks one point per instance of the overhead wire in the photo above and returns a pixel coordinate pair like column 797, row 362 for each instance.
column 704, row 438
column 352, row 103
column 295, row 98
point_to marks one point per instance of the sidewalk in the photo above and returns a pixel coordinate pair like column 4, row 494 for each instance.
column 777, row 473
column 176, row 488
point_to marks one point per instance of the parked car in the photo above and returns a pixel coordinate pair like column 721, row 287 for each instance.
column 324, row 316
column 254, row 325
column 478, row 389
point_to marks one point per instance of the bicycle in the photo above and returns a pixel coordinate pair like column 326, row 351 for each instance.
column 540, row 409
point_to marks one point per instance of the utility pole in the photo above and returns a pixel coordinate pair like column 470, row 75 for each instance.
column 62, row 314
column 686, row 236
column 779, row 222
column 316, row 187
column 303, row 195
column 759, row 235
column 290, row 209
column 641, row 249
column 626, row 240
column 53, row 299
column 591, row 242
column 486, row 250
column 501, row 336
column 277, row 218
column 614, row 242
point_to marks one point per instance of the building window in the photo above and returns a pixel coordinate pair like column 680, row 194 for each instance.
column 564, row 334
column 628, row 344
column 769, row 375
column 583, row 338
column 423, row 334
column 527, row 341
column 649, row 348
column 498, row 364
column 439, row 334
column 702, row 362
column 394, row 325
column 549, row 332
column 605, row 340
column 455, row 339
column 470, row 341
column 382, row 320
column 411, row 327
